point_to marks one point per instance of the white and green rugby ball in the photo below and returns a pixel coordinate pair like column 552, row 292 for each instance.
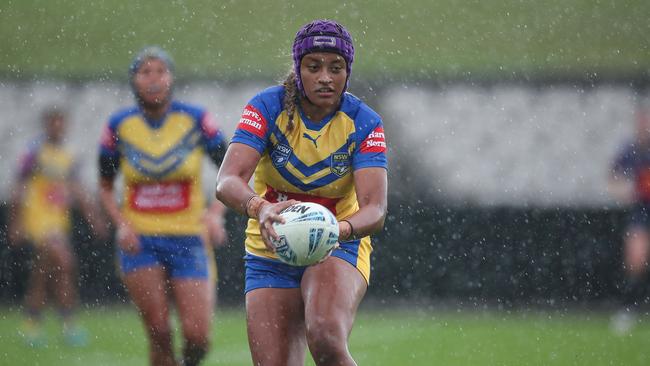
column 308, row 235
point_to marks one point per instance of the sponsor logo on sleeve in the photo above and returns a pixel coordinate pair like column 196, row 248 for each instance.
column 375, row 142
column 252, row 121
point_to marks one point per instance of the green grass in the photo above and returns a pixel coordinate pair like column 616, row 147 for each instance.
column 394, row 39
column 380, row 337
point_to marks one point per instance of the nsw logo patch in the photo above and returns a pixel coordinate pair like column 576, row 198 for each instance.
column 280, row 155
column 340, row 164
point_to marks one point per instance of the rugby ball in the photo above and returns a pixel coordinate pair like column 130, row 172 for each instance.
column 308, row 235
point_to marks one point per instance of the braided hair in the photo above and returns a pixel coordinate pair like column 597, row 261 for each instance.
column 291, row 97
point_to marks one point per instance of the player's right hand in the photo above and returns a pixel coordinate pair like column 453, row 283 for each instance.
column 269, row 214
column 127, row 239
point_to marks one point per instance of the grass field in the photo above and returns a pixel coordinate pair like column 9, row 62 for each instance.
column 395, row 39
column 380, row 337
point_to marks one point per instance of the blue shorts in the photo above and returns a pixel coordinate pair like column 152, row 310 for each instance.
column 262, row 272
column 180, row 256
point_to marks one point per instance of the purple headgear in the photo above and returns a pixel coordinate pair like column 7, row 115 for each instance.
column 322, row 36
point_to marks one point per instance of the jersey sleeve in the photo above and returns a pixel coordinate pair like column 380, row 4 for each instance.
column 27, row 164
column 109, row 155
column 253, row 128
column 370, row 142
column 213, row 138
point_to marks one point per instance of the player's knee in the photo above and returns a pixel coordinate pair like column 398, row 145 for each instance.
column 196, row 329
column 327, row 339
column 63, row 262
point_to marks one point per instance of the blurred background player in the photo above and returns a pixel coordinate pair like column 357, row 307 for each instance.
column 162, row 226
column 307, row 140
column 629, row 183
column 42, row 198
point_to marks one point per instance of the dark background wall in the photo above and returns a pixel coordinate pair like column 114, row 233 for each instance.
column 427, row 253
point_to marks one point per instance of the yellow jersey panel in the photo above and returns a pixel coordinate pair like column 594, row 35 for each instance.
column 46, row 205
column 313, row 161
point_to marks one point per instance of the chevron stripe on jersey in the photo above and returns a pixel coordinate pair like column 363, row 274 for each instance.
column 159, row 166
column 161, row 162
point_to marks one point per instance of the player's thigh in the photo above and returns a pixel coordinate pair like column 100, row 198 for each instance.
column 38, row 273
column 59, row 252
column 147, row 288
column 40, row 265
column 332, row 291
column 195, row 303
column 275, row 322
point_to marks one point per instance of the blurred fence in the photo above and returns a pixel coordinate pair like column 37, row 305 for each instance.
column 502, row 255
column 427, row 253
column 497, row 192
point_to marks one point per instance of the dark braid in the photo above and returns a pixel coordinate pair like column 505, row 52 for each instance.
column 291, row 98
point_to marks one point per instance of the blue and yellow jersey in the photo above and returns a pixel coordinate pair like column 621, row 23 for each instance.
column 314, row 161
column 161, row 163
column 46, row 171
